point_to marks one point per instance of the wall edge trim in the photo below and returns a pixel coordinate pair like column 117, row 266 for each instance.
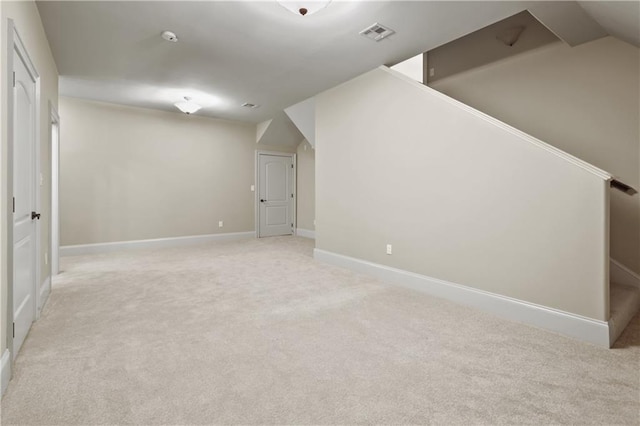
column 306, row 233
column 6, row 370
column 568, row 324
column 83, row 249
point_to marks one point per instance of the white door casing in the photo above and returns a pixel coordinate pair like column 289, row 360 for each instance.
column 54, row 224
column 24, row 200
column 276, row 194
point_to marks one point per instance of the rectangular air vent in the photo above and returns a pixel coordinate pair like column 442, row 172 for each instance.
column 248, row 105
column 377, row 32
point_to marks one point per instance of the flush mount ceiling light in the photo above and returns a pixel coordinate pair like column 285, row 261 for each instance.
column 304, row 7
column 187, row 106
column 169, row 36
column 250, row 105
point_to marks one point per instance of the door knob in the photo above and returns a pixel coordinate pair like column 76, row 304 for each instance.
column 35, row 215
column 263, row 201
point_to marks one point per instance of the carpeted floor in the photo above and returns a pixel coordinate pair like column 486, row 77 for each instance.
column 257, row 332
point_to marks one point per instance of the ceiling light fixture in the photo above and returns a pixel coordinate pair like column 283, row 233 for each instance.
column 187, row 106
column 250, row 105
column 304, row 7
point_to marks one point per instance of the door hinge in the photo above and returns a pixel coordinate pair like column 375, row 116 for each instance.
column 291, row 195
column 292, row 166
column 14, row 204
column 14, row 79
column 14, row 329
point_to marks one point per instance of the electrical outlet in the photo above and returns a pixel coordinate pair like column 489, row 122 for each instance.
column 389, row 249
column 220, row 224
column 253, row 188
column 432, row 72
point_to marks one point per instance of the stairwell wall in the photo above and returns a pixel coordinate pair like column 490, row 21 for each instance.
column 459, row 198
column 584, row 100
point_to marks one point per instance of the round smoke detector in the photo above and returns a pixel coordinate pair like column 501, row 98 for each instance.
column 170, row 36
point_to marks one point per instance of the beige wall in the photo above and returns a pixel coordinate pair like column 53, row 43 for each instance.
column 131, row 173
column 584, row 100
column 306, row 179
column 27, row 21
column 458, row 197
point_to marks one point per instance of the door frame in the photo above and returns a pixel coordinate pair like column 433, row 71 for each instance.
column 54, row 217
column 256, row 198
column 14, row 43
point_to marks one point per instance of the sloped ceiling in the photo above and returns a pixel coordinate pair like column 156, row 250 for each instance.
column 620, row 19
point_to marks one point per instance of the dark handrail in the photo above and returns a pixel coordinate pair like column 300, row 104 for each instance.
column 620, row 186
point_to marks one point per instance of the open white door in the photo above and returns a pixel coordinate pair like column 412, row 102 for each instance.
column 276, row 194
column 24, row 199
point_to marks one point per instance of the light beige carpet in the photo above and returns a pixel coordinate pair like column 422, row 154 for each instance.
column 257, row 332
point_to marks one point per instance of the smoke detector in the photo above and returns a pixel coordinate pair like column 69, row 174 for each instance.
column 377, row 32
column 169, row 36
column 250, row 105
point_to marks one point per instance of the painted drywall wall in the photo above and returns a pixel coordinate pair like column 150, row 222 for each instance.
column 306, row 186
column 459, row 198
column 27, row 21
column 303, row 116
column 412, row 67
column 584, row 100
column 488, row 45
column 132, row 174
column 278, row 131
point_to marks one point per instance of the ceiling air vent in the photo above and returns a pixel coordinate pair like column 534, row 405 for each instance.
column 377, row 32
column 248, row 105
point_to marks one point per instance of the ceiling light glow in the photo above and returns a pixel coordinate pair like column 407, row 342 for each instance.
column 187, row 106
column 304, row 7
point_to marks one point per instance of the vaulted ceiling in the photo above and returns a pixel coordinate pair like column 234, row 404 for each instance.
column 243, row 51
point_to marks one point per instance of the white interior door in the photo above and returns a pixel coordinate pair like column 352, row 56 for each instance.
column 24, row 202
column 276, row 195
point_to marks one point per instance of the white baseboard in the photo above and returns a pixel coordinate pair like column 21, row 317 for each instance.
column 620, row 274
column 43, row 295
column 572, row 325
column 82, row 249
column 307, row 233
column 5, row 367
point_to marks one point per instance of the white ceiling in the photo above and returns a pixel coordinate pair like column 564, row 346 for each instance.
column 618, row 18
column 242, row 51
